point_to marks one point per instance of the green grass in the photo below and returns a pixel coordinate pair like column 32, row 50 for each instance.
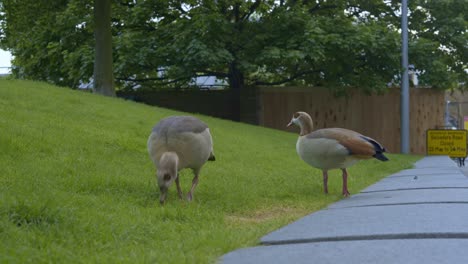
column 77, row 185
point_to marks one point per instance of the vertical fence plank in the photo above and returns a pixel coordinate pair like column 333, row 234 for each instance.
column 377, row 116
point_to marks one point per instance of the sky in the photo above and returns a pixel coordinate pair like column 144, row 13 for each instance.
column 5, row 58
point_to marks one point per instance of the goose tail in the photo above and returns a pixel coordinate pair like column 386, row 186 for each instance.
column 379, row 149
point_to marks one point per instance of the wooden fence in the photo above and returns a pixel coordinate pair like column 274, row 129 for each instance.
column 214, row 103
column 377, row 116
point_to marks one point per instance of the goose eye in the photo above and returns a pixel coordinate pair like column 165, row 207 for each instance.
column 167, row 177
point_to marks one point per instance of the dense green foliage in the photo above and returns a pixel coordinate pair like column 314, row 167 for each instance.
column 439, row 48
column 77, row 185
column 50, row 41
column 338, row 44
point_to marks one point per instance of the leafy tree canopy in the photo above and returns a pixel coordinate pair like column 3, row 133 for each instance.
column 338, row 44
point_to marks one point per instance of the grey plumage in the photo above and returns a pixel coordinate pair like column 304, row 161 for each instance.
column 179, row 142
column 179, row 124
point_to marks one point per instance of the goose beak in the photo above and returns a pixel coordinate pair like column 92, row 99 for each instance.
column 162, row 197
column 290, row 123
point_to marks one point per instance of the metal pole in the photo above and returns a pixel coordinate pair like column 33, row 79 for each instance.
column 405, row 131
column 459, row 117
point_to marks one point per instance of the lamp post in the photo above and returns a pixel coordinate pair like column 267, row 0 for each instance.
column 405, row 131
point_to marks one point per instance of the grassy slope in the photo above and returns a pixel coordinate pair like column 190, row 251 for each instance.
column 76, row 183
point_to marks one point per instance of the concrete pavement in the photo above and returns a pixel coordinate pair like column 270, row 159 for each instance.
column 418, row 215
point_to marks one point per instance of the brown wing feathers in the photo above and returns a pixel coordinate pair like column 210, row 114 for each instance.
column 357, row 144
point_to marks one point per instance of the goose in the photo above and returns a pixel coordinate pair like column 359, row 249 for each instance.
column 176, row 143
column 333, row 148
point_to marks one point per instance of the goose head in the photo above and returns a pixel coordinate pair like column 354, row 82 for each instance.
column 302, row 120
column 167, row 173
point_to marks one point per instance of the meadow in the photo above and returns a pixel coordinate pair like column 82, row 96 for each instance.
column 77, row 184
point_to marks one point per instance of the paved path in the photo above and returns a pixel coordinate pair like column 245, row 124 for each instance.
column 418, row 215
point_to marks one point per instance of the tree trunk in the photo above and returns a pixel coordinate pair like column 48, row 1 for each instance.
column 103, row 73
column 236, row 83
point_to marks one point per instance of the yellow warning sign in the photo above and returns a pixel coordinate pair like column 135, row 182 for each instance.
column 446, row 142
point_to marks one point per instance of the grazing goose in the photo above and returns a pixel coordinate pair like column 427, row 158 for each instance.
column 333, row 148
column 175, row 143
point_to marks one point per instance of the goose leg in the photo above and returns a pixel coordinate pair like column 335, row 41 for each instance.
column 194, row 184
column 179, row 190
column 325, row 181
column 345, row 183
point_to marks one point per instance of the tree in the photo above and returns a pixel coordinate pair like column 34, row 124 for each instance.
column 340, row 44
column 439, row 42
column 264, row 43
column 53, row 41
column 50, row 40
column 103, row 74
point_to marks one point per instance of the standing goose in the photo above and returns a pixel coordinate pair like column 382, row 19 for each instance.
column 333, row 148
column 175, row 143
